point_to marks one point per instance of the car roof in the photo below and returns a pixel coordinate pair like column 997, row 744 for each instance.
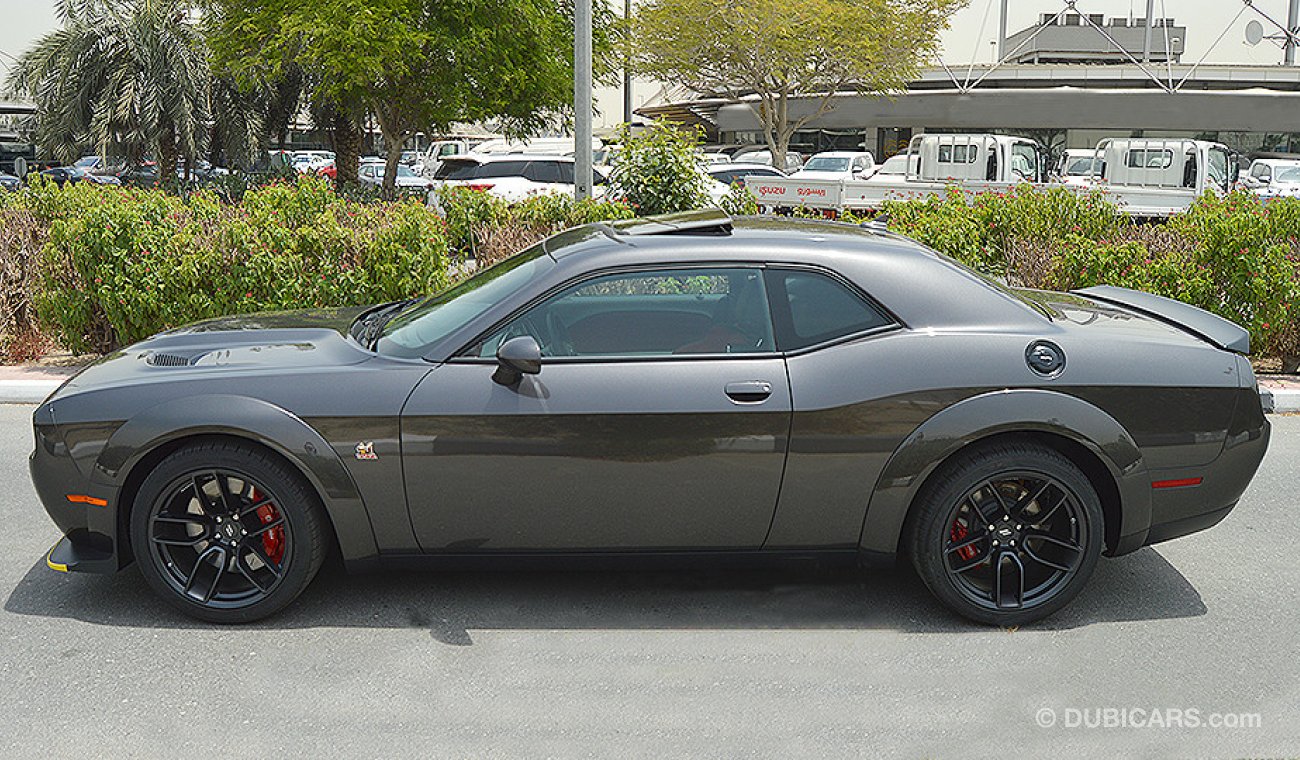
column 922, row 287
column 488, row 158
column 741, row 165
column 841, row 154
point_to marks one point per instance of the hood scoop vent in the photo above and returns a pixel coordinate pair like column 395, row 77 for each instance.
column 166, row 360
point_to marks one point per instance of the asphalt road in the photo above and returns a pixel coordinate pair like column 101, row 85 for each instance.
column 767, row 664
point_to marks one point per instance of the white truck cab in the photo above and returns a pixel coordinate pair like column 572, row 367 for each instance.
column 978, row 158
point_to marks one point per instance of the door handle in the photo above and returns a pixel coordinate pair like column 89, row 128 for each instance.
column 751, row 392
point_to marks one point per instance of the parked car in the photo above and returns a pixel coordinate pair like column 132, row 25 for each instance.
column 510, row 176
column 1264, row 172
column 1079, row 166
column 138, row 175
column 838, row 164
column 309, row 161
column 9, row 182
column 62, row 175
column 1283, row 183
column 372, row 173
column 793, row 160
column 895, row 167
column 752, row 388
column 433, row 155
column 723, row 176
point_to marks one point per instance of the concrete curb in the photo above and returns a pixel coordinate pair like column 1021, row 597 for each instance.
column 1280, row 400
column 27, row 391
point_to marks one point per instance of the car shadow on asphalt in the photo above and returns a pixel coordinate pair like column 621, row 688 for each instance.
column 452, row 605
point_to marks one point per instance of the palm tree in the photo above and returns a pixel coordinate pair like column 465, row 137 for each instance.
column 128, row 77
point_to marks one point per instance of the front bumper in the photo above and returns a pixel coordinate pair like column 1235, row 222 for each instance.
column 89, row 520
column 67, row 557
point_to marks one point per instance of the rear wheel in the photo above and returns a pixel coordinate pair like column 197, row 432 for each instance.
column 226, row 533
column 1006, row 534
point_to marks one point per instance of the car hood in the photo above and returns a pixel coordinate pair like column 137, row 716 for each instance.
column 271, row 341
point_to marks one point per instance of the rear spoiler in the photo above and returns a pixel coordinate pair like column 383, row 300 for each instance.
column 1199, row 322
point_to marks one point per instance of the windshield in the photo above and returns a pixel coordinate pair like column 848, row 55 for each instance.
column 457, row 169
column 827, row 164
column 1081, row 166
column 894, row 165
column 87, row 162
column 412, row 332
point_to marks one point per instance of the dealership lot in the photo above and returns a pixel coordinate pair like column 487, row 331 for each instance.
column 797, row 663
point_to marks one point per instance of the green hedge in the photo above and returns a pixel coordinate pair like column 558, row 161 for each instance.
column 119, row 265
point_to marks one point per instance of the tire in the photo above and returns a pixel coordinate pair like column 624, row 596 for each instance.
column 227, row 533
column 1002, row 513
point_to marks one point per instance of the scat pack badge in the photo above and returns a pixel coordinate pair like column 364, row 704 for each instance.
column 366, row 450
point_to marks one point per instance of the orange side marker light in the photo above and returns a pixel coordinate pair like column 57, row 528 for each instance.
column 81, row 498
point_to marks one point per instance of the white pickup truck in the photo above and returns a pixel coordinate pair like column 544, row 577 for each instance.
column 1145, row 177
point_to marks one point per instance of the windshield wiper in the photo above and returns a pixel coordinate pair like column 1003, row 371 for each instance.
column 372, row 325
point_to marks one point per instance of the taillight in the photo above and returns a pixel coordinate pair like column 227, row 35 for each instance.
column 480, row 186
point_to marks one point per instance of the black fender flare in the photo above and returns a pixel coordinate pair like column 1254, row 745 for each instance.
column 993, row 413
column 254, row 420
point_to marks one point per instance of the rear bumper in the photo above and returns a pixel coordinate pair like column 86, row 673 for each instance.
column 1179, row 511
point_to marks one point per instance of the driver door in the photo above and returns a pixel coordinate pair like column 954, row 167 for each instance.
column 659, row 420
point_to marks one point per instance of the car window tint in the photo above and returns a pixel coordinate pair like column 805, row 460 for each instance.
column 820, row 309
column 565, row 170
column 640, row 314
column 542, row 171
column 457, row 169
column 497, row 169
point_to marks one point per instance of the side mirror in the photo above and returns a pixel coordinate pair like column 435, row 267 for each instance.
column 515, row 358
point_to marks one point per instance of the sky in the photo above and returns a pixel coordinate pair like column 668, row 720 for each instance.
column 968, row 38
column 1205, row 20
column 22, row 22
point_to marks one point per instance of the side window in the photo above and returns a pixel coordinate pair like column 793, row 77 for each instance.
column 817, row 309
column 542, row 171
column 1024, row 161
column 659, row 313
column 496, row 169
column 565, row 170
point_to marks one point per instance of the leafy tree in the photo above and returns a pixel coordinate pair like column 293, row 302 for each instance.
column 657, row 171
column 414, row 64
column 126, row 77
column 768, row 52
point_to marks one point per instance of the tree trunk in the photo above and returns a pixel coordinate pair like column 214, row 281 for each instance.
column 347, row 151
column 394, row 137
column 167, row 159
column 393, row 156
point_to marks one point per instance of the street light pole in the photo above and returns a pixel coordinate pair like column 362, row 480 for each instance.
column 627, row 71
column 582, row 100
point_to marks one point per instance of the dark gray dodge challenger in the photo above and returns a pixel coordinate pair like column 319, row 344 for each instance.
column 680, row 388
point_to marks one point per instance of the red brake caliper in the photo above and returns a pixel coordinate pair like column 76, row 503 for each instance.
column 958, row 534
column 273, row 539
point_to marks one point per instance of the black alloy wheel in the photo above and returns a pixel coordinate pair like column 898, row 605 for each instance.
column 1008, row 534
column 226, row 533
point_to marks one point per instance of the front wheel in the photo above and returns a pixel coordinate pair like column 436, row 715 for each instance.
column 226, row 533
column 1007, row 533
